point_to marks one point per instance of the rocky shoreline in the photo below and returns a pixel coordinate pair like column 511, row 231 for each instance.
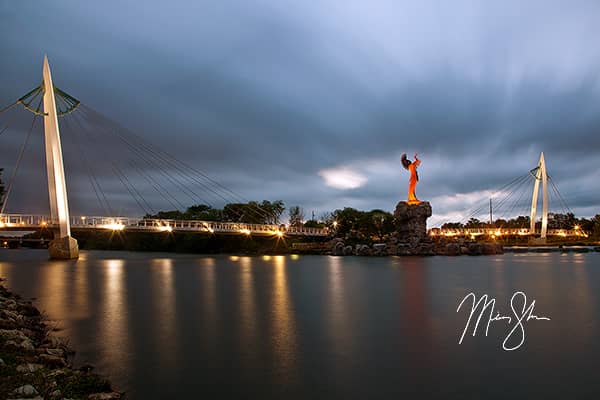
column 419, row 248
column 34, row 364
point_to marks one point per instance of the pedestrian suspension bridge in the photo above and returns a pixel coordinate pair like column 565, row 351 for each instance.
column 144, row 171
column 517, row 198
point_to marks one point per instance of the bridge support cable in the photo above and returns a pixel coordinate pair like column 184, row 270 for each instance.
column 509, row 193
column 212, row 186
column 100, row 195
column 9, row 121
column 512, row 207
column 8, row 107
column 153, row 164
column 156, row 186
column 133, row 191
column 152, row 159
column 157, row 156
column 11, row 182
column 92, row 141
column 482, row 206
column 560, row 196
column 507, row 190
column 120, row 175
column 138, row 148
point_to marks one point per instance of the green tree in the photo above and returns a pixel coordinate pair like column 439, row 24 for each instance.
column 346, row 220
column 296, row 216
column 381, row 223
column 203, row 212
column 473, row 223
column 596, row 228
column 253, row 212
column 453, row 225
column 173, row 214
column 311, row 223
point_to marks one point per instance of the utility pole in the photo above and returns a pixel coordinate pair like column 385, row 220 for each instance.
column 491, row 213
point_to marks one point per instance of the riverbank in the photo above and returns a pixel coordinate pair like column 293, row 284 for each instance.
column 35, row 364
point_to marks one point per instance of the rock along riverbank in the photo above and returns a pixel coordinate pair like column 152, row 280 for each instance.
column 34, row 364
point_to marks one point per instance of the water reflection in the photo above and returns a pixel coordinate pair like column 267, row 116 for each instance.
column 247, row 305
column 283, row 325
column 81, row 293
column 113, row 328
column 53, row 285
column 340, row 329
column 585, row 303
column 165, row 310
column 325, row 326
column 416, row 325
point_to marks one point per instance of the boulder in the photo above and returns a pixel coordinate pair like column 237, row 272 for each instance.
column 338, row 249
column 392, row 250
column 26, row 390
column 379, row 249
column 452, row 249
column 488, row 249
column 475, row 249
column 403, row 249
column 363, row 250
column 13, row 334
column 29, row 367
column 104, row 396
column 52, row 361
column 348, row 251
column 28, row 310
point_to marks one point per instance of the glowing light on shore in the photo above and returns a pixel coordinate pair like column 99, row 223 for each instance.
column 165, row 228
column 245, row 231
column 114, row 226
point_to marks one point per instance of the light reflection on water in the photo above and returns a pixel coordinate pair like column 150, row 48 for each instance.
column 113, row 314
column 163, row 326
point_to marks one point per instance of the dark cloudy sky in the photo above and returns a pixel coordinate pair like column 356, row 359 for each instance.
column 313, row 102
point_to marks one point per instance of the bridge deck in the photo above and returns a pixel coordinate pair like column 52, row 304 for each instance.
column 18, row 222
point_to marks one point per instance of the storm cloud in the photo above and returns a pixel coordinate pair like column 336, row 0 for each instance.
column 314, row 102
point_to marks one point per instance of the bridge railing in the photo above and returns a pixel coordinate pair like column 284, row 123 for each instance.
column 17, row 220
column 502, row 232
column 14, row 221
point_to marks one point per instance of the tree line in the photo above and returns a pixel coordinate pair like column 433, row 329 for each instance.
column 252, row 212
column 348, row 222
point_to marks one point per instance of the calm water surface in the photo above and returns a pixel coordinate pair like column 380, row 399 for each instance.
column 163, row 326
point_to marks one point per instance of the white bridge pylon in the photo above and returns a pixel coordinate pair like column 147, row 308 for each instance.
column 540, row 174
column 57, row 187
column 63, row 246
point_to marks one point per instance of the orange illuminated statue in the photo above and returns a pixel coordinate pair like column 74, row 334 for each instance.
column 414, row 177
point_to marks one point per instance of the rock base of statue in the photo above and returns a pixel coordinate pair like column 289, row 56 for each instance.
column 411, row 222
column 65, row 248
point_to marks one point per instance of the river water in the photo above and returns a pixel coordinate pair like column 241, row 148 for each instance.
column 164, row 326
